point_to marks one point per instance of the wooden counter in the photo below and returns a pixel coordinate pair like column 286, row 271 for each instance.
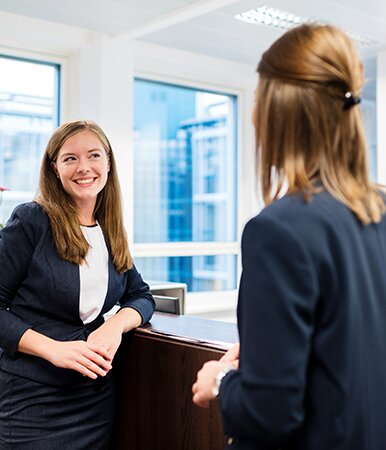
column 156, row 367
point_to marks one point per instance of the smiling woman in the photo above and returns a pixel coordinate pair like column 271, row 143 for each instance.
column 65, row 263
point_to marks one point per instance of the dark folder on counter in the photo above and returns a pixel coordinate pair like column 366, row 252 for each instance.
column 166, row 304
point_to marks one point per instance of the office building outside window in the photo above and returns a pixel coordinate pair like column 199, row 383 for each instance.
column 185, row 182
column 29, row 105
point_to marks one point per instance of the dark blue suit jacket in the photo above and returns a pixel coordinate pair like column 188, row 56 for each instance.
column 39, row 290
column 312, row 324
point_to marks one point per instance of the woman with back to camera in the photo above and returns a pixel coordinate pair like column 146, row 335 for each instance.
column 65, row 262
column 310, row 372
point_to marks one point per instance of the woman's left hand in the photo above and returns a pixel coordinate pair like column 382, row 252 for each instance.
column 105, row 340
column 204, row 389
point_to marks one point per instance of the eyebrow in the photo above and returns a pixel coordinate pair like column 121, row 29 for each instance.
column 88, row 151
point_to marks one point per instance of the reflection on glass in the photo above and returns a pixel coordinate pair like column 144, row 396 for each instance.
column 200, row 273
column 185, row 164
column 28, row 115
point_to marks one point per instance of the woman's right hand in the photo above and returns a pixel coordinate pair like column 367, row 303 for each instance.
column 76, row 355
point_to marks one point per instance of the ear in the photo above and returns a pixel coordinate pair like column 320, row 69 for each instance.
column 108, row 166
column 53, row 167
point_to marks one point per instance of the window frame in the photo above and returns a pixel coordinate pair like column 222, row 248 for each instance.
column 197, row 302
column 44, row 59
column 41, row 57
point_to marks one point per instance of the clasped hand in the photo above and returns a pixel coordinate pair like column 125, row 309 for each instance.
column 91, row 358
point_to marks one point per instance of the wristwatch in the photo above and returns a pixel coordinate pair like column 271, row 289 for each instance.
column 218, row 379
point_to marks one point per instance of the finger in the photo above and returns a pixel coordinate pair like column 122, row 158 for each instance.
column 199, row 402
column 84, row 371
column 102, row 362
column 227, row 358
column 93, row 367
column 101, row 350
column 97, row 359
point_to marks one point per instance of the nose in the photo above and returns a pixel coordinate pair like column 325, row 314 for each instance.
column 83, row 165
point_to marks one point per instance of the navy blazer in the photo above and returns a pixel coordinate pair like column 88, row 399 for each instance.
column 39, row 290
column 312, row 325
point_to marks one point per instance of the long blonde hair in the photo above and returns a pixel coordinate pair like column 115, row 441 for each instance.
column 303, row 131
column 62, row 211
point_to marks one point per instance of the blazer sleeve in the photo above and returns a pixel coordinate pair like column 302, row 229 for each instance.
column 137, row 295
column 263, row 400
column 16, row 250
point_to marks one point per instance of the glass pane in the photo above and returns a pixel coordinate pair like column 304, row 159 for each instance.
column 200, row 273
column 369, row 108
column 185, row 164
column 28, row 115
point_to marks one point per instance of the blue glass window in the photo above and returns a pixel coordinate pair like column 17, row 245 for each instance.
column 185, row 182
column 200, row 273
column 369, row 107
column 185, row 164
column 29, row 105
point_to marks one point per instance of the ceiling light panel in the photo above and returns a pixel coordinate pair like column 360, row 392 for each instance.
column 276, row 18
column 265, row 15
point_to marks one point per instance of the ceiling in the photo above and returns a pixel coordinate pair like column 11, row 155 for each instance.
column 201, row 26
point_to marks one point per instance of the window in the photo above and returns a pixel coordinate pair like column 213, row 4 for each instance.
column 369, row 107
column 29, row 105
column 185, row 178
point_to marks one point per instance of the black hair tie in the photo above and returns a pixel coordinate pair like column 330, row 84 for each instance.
column 350, row 100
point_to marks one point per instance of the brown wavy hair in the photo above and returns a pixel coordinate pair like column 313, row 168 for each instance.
column 62, row 211
column 303, row 132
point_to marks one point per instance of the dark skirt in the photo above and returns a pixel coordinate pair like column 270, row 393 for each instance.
column 35, row 416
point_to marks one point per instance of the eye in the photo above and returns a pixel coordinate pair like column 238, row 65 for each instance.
column 69, row 159
column 95, row 155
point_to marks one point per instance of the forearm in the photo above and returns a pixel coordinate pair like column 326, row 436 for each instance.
column 36, row 344
column 125, row 319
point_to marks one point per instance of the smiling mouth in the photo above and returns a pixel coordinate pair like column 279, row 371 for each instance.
column 86, row 181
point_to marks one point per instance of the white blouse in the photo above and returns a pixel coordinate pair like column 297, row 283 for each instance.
column 94, row 275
